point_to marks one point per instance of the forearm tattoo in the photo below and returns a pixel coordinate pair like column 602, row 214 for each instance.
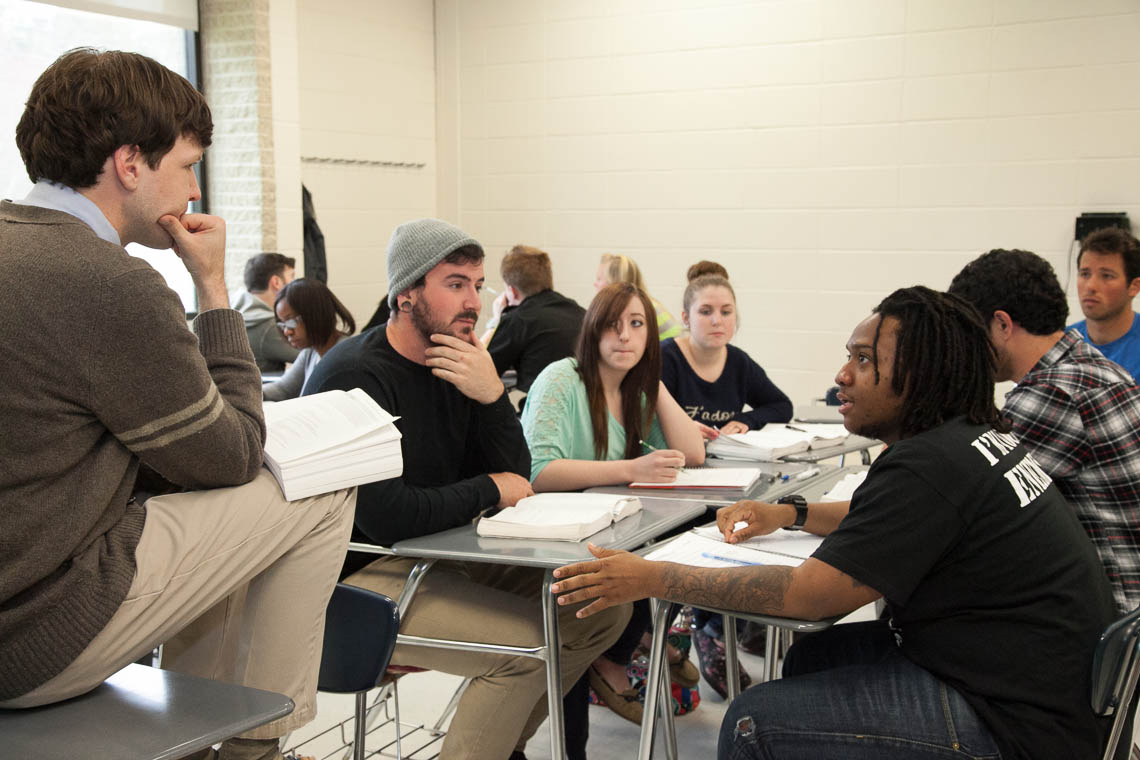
column 755, row 589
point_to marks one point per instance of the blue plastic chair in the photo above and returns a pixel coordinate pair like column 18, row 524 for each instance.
column 360, row 634
column 1115, row 671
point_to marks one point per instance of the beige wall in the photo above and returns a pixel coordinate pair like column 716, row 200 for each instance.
column 367, row 95
column 825, row 151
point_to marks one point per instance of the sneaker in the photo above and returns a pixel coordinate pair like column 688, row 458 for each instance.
column 710, row 654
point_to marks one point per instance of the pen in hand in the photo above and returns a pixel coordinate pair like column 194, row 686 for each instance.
column 651, row 447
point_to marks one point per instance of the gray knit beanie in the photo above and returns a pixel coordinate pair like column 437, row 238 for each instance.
column 416, row 247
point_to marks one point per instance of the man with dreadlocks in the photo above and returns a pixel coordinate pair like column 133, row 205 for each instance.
column 994, row 593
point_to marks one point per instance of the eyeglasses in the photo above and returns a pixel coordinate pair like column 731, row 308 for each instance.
column 289, row 324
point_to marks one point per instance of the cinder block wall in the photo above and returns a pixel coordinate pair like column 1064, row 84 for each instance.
column 825, row 151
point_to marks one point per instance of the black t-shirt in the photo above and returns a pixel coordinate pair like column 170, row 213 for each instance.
column 541, row 330
column 990, row 582
column 741, row 382
column 449, row 443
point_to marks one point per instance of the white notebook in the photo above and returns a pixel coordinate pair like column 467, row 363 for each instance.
column 697, row 478
column 559, row 516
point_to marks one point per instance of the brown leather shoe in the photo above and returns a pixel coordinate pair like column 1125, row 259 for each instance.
column 626, row 704
column 684, row 673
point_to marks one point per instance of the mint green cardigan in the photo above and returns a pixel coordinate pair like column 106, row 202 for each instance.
column 556, row 420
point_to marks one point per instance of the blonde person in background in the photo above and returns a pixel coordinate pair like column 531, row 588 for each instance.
column 307, row 314
column 615, row 267
column 604, row 418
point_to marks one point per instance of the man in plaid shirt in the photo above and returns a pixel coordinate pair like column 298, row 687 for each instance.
column 1076, row 411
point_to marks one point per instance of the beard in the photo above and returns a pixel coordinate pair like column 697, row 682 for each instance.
column 428, row 323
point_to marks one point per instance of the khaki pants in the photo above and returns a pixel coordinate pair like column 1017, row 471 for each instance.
column 240, row 579
column 497, row 604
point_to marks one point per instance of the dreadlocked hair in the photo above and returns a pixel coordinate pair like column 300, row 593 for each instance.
column 944, row 362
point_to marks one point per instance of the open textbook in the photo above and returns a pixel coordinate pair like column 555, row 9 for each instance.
column 697, row 478
column 559, row 516
column 332, row 440
column 776, row 440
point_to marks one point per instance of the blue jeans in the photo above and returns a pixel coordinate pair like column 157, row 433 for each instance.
column 848, row 693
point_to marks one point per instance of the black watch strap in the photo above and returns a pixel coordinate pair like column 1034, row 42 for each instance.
column 800, row 503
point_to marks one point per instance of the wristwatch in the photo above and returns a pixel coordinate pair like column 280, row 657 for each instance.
column 800, row 503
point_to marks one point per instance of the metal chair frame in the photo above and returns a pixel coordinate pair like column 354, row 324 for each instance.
column 1115, row 671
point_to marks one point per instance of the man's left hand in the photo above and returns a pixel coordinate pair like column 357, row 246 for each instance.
column 466, row 365
column 614, row 578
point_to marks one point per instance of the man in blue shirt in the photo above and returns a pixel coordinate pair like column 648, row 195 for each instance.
column 1108, row 278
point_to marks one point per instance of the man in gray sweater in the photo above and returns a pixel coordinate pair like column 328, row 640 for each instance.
column 104, row 384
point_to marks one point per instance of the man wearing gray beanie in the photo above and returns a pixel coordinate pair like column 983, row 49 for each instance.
column 463, row 451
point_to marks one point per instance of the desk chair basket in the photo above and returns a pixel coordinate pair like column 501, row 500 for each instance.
column 1115, row 670
column 360, row 634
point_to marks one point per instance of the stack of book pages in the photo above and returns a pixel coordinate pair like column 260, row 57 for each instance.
column 559, row 516
column 776, row 440
column 328, row 441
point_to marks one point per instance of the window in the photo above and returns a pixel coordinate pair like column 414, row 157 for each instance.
column 32, row 35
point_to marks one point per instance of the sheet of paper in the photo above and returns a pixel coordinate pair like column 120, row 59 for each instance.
column 793, row 543
column 691, row 549
column 845, row 489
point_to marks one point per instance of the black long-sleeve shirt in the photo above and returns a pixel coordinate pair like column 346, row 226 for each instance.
column 741, row 382
column 450, row 442
column 539, row 331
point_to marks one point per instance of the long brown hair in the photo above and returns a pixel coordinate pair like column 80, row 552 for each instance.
column 640, row 383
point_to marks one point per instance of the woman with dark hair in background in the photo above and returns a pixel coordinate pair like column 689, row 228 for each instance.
column 307, row 313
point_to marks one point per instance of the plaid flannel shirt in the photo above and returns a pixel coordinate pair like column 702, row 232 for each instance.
column 1079, row 414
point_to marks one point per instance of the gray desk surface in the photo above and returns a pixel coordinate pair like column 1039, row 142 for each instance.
column 852, row 444
column 769, row 487
column 139, row 713
column 814, row 489
column 656, row 517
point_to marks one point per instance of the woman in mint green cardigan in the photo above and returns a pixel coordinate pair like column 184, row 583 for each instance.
column 604, row 418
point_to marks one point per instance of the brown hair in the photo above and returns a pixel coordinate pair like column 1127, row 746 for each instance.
column 89, row 103
column 698, row 284
column 619, row 268
column 318, row 308
column 701, row 268
column 528, row 269
column 260, row 268
column 640, row 383
column 1110, row 240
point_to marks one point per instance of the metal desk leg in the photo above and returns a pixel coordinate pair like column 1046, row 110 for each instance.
column 731, row 658
column 771, row 653
column 655, row 674
column 553, row 670
column 412, row 585
column 665, row 706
